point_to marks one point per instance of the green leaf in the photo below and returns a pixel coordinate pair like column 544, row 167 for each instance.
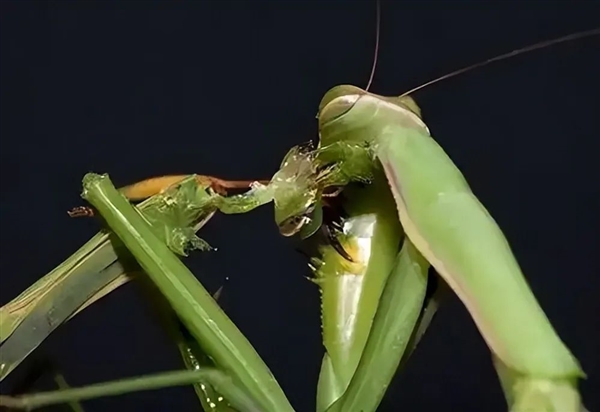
column 94, row 270
column 209, row 325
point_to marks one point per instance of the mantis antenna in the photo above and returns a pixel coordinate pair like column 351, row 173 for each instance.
column 536, row 46
column 504, row 56
column 377, row 30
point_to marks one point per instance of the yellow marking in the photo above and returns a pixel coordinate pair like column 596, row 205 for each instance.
column 153, row 186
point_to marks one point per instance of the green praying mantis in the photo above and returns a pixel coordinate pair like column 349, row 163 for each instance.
column 407, row 212
column 382, row 140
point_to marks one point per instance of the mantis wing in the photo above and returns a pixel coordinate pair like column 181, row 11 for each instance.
column 457, row 235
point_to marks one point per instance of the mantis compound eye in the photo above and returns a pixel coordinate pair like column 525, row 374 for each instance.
column 292, row 225
column 315, row 215
column 305, row 222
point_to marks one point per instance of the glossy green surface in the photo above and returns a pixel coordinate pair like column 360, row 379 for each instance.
column 350, row 291
column 452, row 229
column 205, row 320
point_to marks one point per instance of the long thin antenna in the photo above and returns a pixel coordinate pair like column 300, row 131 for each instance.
column 513, row 53
column 375, row 57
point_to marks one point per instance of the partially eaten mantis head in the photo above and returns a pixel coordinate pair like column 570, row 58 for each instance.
column 307, row 174
column 296, row 189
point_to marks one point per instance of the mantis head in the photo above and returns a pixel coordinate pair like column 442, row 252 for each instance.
column 296, row 190
column 339, row 100
column 299, row 184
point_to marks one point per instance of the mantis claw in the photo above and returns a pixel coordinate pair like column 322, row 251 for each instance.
column 335, row 243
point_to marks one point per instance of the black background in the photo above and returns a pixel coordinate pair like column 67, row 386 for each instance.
column 138, row 89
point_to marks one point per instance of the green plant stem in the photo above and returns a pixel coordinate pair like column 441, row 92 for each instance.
column 61, row 382
column 193, row 356
column 119, row 387
column 95, row 270
column 193, row 304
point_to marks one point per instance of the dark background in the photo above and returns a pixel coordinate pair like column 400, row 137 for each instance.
column 138, row 89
